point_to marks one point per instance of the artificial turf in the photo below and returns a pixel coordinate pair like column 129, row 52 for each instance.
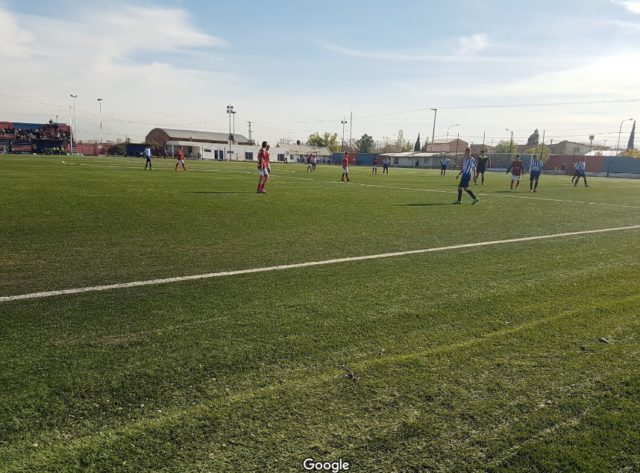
column 515, row 357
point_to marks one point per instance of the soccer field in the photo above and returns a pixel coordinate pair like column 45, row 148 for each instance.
column 495, row 350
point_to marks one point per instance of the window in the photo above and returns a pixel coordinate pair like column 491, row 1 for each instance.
column 396, row 160
column 281, row 157
column 248, row 155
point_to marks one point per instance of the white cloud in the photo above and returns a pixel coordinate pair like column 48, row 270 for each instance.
column 466, row 48
column 469, row 45
column 124, row 55
column 632, row 6
column 15, row 40
column 601, row 78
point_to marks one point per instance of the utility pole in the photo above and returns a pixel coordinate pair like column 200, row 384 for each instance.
column 249, row 130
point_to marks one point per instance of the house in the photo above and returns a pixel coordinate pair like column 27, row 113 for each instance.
column 455, row 146
column 574, row 149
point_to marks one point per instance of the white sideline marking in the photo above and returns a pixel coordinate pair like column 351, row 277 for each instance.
column 153, row 282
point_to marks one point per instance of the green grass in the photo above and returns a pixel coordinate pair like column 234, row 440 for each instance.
column 516, row 357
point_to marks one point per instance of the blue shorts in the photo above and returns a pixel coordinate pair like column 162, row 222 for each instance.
column 534, row 176
column 464, row 181
column 443, row 166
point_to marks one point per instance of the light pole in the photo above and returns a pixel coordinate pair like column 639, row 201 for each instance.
column 511, row 142
column 344, row 122
column 100, row 106
column 75, row 121
column 230, row 112
column 620, row 132
column 433, row 133
column 449, row 127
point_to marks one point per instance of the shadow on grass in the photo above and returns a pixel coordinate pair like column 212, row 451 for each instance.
column 430, row 204
column 219, row 192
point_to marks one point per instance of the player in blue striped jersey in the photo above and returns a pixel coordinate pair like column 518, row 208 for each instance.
column 581, row 172
column 534, row 173
column 467, row 172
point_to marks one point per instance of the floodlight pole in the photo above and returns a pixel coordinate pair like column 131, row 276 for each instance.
column 75, row 121
column 344, row 122
column 100, row 105
column 230, row 112
column 71, row 125
column 433, row 133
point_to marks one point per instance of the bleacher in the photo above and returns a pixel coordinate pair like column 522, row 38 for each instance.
column 19, row 137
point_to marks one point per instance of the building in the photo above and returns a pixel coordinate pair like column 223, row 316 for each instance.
column 455, row 145
column 200, row 144
column 413, row 159
column 213, row 145
column 475, row 149
column 574, row 149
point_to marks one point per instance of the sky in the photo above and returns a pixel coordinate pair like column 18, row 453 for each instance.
column 570, row 68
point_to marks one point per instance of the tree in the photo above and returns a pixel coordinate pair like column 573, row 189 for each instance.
column 416, row 147
column 630, row 153
column 365, row 144
column 542, row 151
column 326, row 140
column 505, row 147
column 534, row 139
column 632, row 137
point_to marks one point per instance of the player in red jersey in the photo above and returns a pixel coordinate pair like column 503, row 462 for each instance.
column 180, row 159
column 345, row 169
column 516, row 168
column 264, row 167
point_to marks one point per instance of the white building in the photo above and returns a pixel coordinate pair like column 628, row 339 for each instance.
column 414, row 159
column 222, row 146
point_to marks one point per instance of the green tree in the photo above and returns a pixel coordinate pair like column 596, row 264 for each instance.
column 365, row 144
column 505, row 147
column 326, row 140
column 542, row 151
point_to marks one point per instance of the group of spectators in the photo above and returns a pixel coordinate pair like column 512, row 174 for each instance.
column 42, row 139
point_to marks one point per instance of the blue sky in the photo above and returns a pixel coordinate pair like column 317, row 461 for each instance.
column 292, row 68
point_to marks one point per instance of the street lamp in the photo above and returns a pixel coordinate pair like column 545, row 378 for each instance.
column 511, row 143
column 433, row 133
column 449, row 127
column 231, row 113
column 75, row 121
column 100, row 105
column 620, row 132
column 344, row 122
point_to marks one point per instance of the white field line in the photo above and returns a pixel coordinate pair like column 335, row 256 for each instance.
column 154, row 282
